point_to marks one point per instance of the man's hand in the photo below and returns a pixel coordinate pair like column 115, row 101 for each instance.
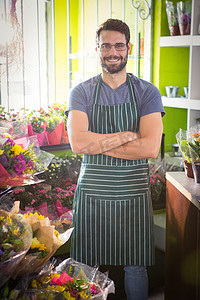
column 145, row 146
column 87, row 142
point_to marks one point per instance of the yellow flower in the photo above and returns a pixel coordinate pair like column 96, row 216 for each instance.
column 27, row 215
column 40, row 217
column 1, row 152
column 36, row 245
column 17, row 149
column 56, row 233
column 16, row 231
column 34, row 284
column 9, row 220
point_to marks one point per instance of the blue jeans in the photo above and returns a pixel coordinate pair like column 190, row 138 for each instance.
column 136, row 283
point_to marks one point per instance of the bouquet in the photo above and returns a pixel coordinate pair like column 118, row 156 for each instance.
column 172, row 17
column 72, row 280
column 55, row 127
column 20, row 160
column 46, row 240
column 15, row 122
column 189, row 143
column 15, row 240
column 15, row 161
column 59, row 110
column 37, row 126
column 184, row 17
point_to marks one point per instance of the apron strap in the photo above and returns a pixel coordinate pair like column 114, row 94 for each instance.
column 133, row 98
column 97, row 90
column 98, row 86
column 131, row 92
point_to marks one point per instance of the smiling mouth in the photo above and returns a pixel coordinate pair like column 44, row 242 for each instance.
column 113, row 59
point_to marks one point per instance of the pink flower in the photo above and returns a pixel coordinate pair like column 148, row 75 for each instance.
column 17, row 191
column 64, row 278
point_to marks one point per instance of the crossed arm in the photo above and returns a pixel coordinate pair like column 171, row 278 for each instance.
column 126, row 144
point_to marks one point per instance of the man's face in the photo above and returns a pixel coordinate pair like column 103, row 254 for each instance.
column 113, row 61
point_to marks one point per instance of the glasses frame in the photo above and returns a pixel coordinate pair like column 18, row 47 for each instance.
column 107, row 50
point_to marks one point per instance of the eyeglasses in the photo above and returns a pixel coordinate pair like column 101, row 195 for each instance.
column 107, row 47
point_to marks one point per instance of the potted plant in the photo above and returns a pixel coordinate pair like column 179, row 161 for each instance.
column 37, row 125
column 189, row 143
column 172, row 17
column 184, row 17
column 57, row 112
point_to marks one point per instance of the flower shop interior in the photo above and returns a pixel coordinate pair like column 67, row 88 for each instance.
column 47, row 47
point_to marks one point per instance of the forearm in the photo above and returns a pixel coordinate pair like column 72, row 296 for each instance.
column 88, row 142
column 138, row 149
column 146, row 145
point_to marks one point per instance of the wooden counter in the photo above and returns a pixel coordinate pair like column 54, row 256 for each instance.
column 182, row 256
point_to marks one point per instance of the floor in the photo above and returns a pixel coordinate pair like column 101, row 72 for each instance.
column 155, row 275
column 157, row 294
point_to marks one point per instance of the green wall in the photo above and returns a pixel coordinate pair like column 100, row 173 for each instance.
column 171, row 67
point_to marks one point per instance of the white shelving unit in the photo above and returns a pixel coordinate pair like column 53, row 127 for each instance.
column 192, row 104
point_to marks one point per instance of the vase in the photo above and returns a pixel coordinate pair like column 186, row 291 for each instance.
column 172, row 18
column 196, row 171
column 174, row 30
column 184, row 29
column 184, row 17
column 188, row 169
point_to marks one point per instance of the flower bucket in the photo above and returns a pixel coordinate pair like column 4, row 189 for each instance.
column 54, row 138
column 188, row 169
column 196, row 171
column 65, row 138
column 42, row 137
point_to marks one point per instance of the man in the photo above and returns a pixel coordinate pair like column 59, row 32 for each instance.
column 115, row 120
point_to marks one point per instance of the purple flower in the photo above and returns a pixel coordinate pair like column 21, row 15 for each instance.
column 20, row 166
column 4, row 160
column 10, row 142
column 1, row 253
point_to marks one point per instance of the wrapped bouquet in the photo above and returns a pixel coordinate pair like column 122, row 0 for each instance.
column 20, row 160
column 189, row 144
column 72, row 280
column 45, row 241
column 15, row 241
column 172, row 17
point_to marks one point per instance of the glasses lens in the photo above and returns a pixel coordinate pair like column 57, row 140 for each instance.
column 105, row 47
column 118, row 47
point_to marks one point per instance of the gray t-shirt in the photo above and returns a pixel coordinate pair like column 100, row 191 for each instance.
column 147, row 95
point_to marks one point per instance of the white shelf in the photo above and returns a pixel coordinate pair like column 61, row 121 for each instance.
column 180, row 41
column 176, row 41
column 192, row 41
column 181, row 102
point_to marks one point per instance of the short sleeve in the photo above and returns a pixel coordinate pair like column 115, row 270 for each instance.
column 152, row 101
column 77, row 99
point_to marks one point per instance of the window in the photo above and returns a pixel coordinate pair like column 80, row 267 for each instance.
column 26, row 54
column 83, row 60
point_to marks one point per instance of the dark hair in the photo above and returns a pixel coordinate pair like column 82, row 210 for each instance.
column 114, row 25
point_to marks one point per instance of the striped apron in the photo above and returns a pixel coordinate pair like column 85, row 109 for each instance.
column 112, row 210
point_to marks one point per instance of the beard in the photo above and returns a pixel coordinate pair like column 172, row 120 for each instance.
column 115, row 68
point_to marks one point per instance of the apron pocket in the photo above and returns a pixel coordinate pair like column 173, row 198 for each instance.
column 113, row 231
